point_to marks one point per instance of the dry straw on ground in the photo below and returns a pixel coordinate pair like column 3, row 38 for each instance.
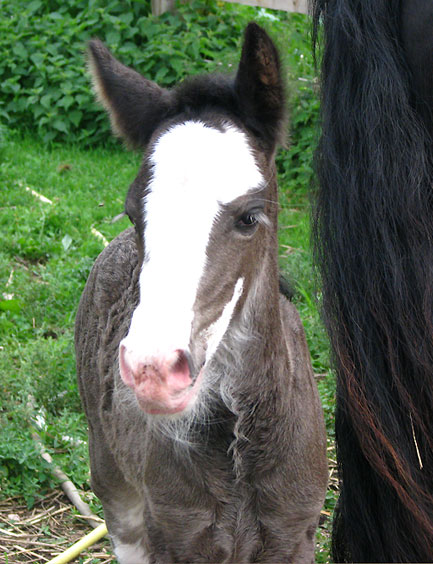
column 49, row 528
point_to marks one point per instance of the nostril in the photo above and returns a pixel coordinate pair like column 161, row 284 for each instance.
column 178, row 369
column 182, row 363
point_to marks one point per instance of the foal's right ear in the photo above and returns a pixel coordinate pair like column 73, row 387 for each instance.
column 135, row 105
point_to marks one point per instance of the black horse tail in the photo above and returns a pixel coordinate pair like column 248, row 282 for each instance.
column 373, row 244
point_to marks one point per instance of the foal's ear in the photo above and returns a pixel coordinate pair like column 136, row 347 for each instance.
column 260, row 87
column 135, row 105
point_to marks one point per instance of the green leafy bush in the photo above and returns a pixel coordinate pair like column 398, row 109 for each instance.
column 45, row 87
column 295, row 166
column 22, row 471
column 42, row 65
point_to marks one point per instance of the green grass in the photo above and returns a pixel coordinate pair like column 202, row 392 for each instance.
column 46, row 253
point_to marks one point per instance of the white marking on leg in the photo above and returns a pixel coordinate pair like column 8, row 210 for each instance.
column 129, row 553
column 133, row 517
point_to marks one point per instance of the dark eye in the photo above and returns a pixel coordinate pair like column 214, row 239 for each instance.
column 247, row 223
column 247, row 219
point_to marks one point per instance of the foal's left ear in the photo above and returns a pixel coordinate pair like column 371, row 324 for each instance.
column 260, row 87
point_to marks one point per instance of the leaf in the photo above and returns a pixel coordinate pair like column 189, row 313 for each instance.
column 75, row 117
column 37, row 58
column 66, row 242
column 20, row 50
column 46, row 100
column 32, row 7
column 113, row 38
column 126, row 18
column 15, row 306
column 11, row 86
column 162, row 72
column 48, row 136
column 66, row 101
column 60, row 125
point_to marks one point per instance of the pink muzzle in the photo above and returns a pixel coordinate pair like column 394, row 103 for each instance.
column 162, row 384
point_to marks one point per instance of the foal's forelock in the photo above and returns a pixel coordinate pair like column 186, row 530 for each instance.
column 196, row 170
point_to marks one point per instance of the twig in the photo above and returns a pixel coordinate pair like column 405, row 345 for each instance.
column 9, row 523
column 118, row 217
column 99, row 236
column 38, row 196
column 10, row 533
column 42, row 516
column 10, row 279
column 92, row 517
column 43, row 545
column 26, row 551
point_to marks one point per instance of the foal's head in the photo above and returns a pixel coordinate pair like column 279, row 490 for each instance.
column 204, row 206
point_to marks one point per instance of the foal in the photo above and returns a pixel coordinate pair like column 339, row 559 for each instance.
column 206, row 435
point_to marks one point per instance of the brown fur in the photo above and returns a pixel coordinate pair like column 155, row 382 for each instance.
column 245, row 483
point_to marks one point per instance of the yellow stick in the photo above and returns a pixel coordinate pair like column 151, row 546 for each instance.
column 81, row 545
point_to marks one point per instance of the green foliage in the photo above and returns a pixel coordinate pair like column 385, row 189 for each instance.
column 295, row 165
column 22, row 471
column 46, row 89
column 44, row 83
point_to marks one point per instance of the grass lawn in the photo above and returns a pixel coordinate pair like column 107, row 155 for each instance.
column 48, row 247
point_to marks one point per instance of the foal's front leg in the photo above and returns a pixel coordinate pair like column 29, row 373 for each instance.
column 125, row 523
column 124, row 510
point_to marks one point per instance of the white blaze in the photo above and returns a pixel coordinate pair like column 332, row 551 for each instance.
column 217, row 330
column 196, row 169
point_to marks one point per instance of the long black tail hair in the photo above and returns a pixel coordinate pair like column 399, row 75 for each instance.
column 373, row 244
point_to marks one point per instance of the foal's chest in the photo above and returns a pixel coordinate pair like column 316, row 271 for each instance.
column 199, row 512
column 205, row 529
